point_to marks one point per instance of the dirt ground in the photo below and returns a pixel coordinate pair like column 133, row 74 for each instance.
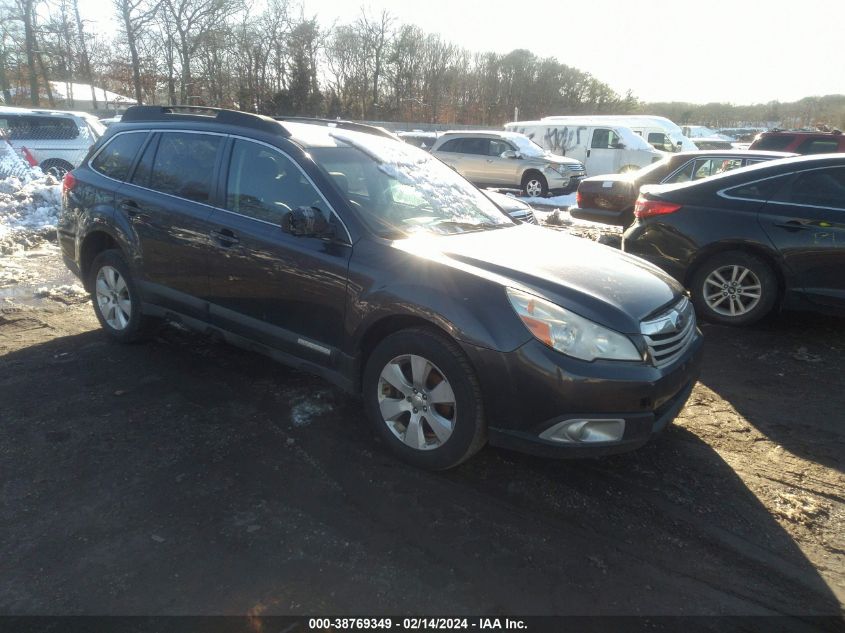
column 183, row 476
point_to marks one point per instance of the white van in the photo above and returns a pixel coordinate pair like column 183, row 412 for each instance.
column 658, row 131
column 603, row 148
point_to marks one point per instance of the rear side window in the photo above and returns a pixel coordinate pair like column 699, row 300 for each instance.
column 453, row 145
column 820, row 188
column 479, row 146
column 774, row 143
column 184, row 164
column 818, row 146
column 115, row 159
column 34, row 128
column 761, row 190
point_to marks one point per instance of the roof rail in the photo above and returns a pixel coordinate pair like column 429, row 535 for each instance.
column 203, row 114
column 343, row 125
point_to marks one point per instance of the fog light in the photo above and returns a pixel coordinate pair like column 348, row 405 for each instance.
column 581, row 431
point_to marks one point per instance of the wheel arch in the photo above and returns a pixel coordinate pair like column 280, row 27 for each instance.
column 531, row 171
column 92, row 245
column 758, row 250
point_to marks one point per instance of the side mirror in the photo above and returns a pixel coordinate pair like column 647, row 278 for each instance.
column 618, row 145
column 307, row 222
column 509, row 153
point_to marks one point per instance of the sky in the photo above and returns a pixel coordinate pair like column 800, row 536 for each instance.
column 736, row 51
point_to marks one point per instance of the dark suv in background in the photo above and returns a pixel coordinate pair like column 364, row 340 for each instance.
column 800, row 142
column 369, row 262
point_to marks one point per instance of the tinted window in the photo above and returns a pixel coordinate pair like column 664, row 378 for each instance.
column 475, row 146
column 774, row 143
column 42, row 128
column 604, row 139
column 705, row 167
column 684, row 174
column 760, row 190
column 820, row 187
column 183, row 165
column 116, row 158
column 453, row 145
column 264, row 184
column 144, row 168
column 818, row 146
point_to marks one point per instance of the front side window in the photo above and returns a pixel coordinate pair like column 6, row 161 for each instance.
column 115, row 159
column 711, row 166
column 398, row 190
column 497, row 147
column 264, row 184
column 604, row 139
column 183, row 165
column 819, row 188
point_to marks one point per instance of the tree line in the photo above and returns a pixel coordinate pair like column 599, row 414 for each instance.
column 282, row 61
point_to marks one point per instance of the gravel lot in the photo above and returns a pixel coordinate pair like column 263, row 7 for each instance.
column 183, row 476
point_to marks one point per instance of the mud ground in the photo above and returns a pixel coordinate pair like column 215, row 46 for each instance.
column 183, row 476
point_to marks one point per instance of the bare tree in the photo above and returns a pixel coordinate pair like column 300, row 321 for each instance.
column 135, row 16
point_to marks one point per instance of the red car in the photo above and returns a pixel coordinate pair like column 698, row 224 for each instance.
column 800, row 142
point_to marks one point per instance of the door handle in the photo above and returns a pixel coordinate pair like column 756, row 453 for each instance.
column 225, row 237
column 793, row 225
column 588, row 153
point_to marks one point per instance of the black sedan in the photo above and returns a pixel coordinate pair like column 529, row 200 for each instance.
column 749, row 241
column 610, row 198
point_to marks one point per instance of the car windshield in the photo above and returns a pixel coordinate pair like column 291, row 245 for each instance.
column 526, row 146
column 400, row 190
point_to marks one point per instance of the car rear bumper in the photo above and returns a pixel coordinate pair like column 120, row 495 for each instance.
column 604, row 216
column 534, row 389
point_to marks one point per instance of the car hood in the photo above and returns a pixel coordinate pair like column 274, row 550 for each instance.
column 598, row 282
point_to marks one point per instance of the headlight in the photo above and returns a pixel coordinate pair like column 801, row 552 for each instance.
column 569, row 333
column 561, row 169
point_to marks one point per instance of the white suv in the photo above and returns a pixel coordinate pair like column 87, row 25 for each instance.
column 54, row 140
column 490, row 158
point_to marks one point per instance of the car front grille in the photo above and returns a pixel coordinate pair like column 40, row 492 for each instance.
column 524, row 216
column 670, row 334
column 575, row 166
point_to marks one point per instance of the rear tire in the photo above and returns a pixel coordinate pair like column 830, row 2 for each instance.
column 415, row 369
column 117, row 302
column 56, row 167
column 734, row 288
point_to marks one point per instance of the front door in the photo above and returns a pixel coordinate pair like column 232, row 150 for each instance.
column 603, row 153
column 499, row 171
column 806, row 222
column 287, row 292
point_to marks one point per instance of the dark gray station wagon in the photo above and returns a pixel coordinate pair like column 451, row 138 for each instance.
column 369, row 262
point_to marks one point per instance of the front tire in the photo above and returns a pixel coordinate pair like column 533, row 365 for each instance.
column 734, row 288
column 424, row 399
column 117, row 302
column 56, row 167
column 535, row 185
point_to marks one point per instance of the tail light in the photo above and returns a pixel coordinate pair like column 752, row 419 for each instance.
column 29, row 157
column 578, row 199
column 646, row 208
column 68, row 182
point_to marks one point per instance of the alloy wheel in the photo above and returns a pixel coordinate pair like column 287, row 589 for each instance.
column 113, row 299
column 534, row 188
column 417, row 402
column 732, row 290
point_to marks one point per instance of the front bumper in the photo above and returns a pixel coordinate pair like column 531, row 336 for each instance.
column 533, row 388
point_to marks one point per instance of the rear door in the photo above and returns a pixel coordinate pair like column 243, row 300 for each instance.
column 168, row 203
column 806, row 222
column 286, row 291
column 451, row 154
column 603, row 153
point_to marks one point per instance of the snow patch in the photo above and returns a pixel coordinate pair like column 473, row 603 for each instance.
column 29, row 208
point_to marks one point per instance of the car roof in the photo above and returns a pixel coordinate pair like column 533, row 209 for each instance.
column 42, row 112
column 801, row 133
column 739, row 153
column 491, row 133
